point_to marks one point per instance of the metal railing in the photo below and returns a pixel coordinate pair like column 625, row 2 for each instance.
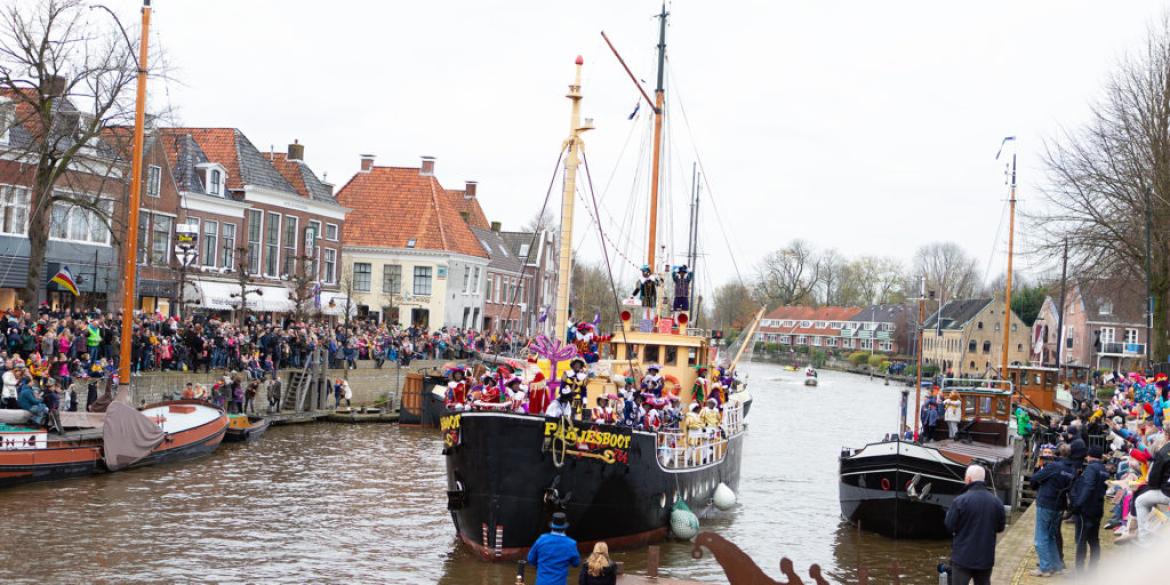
column 699, row 447
column 1121, row 348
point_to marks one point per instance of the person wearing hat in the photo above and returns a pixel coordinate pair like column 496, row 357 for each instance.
column 563, row 405
column 554, row 552
column 538, row 399
column 11, row 390
column 576, row 380
column 682, row 288
column 1050, row 482
column 1087, row 501
column 456, row 389
column 699, row 390
column 652, row 382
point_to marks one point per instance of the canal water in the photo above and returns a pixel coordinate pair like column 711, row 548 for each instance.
column 333, row 503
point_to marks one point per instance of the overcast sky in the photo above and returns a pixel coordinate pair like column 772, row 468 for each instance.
column 869, row 127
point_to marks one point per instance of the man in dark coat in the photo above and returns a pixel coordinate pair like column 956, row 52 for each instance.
column 1088, row 503
column 1051, row 483
column 973, row 519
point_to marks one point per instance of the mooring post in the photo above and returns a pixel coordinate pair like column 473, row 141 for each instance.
column 652, row 561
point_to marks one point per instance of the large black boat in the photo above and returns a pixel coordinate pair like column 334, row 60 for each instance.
column 902, row 488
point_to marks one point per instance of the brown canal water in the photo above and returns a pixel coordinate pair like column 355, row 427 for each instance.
column 333, row 503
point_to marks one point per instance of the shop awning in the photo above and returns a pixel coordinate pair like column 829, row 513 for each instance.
column 224, row 296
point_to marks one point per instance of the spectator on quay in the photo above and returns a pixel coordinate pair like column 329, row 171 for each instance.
column 1051, row 483
column 599, row 569
column 1158, row 493
column 1088, row 503
column 973, row 519
column 274, row 393
column 553, row 553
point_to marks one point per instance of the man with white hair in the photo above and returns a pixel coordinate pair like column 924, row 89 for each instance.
column 973, row 520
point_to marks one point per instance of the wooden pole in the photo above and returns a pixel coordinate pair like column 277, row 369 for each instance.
column 130, row 258
column 659, row 101
column 565, row 268
column 1007, row 297
column 918, row 372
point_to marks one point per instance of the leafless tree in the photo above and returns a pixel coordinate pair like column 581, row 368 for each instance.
column 832, row 270
column 871, row 280
column 541, row 221
column 593, row 294
column 788, row 276
column 64, row 80
column 950, row 272
column 1104, row 178
column 733, row 306
column 302, row 286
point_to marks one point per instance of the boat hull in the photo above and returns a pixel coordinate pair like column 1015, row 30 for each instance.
column 504, row 485
column 903, row 490
column 253, row 432
column 65, row 459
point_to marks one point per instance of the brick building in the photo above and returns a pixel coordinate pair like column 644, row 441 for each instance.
column 820, row 327
column 966, row 338
column 1104, row 326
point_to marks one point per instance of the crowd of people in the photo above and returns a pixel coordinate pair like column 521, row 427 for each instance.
column 53, row 354
column 646, row 403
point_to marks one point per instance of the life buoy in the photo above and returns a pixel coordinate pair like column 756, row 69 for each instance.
column 886, row 484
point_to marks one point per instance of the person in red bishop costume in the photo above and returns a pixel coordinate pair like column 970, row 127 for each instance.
column 537, row 394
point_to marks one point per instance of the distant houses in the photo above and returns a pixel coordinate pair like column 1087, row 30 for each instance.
column 878, row 328
column 966, row 338
column 1104, row 326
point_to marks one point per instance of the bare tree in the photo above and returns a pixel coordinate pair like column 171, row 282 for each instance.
column 788, row 276
column 303, row 286
column 541, row 221
column 733, row 306
column 1105, row 178
column 871, row 280
column 592, row 294
column 832, row 270
column 950, row 272
column 64, row 79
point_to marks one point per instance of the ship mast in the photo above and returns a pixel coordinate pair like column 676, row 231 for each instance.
column 659, row 101
column 1007, row 297
column 565, row 261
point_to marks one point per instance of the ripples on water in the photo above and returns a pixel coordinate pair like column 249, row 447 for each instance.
column 333, row 503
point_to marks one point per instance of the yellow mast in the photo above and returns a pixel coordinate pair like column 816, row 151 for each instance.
column 573, row 144
column 130, row 259
column 659, row 101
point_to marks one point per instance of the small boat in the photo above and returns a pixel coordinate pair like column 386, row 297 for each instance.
column 117, row 439
column 810, row 381
column 242, row 429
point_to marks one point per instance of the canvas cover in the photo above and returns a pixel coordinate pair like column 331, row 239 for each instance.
column 128, row 435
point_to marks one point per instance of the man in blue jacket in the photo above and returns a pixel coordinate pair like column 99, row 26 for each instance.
column 553, row 553
column 973, row 519
column 1088, row 503
column 1051, row 483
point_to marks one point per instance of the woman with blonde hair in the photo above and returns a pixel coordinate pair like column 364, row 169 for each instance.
column 599, row 569
column 953, row 413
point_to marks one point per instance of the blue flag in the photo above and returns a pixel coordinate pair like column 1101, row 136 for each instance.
column 635, row 112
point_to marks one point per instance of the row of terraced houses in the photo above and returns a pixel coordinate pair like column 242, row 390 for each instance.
column 392, row 244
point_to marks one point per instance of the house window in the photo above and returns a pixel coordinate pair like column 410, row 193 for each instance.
column 979, row 325
column 290, row 245
column 229, row 246
column 272, row 244
column 488, row 293
column 311, row 234
column 392, row 279
column 1068, row 341
column 986, row 347
column 410, row 243
column 830, row 342
column 215, row 182
column 330, row 267
column 971, row 346
column 7, row 119
column 867, row 343
column 1131, row 335
column 361, row 276
column 422, row 280
column 255, row 220
column 81, row 224
column 466, row 279
column 1108, row 335
column 331, row 232
column 524, row 250
column 499, row 288
column 14, row 200
column 784, row 339
column 887, row 346
column 153, row 180
column 1106, row 306
column 801, row 340
column 160, row 240
column 806, row 324
column 475, row 281
column 210, row 238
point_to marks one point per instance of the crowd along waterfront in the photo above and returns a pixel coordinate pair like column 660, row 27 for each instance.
column 367, row 503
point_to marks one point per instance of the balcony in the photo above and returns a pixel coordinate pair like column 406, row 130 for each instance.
column 1118, row 348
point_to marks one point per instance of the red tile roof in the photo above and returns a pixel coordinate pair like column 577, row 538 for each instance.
column 219, row 144
column 291, row 171
column 392, row 205
column 470, row 206
column 813, row 313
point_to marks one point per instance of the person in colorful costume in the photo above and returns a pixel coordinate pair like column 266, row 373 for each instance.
column 652, row 382
column 538, row 397
column 700, row 390
column 576, row 380
column 456, row 397
column 586, row 340
column 682, row 288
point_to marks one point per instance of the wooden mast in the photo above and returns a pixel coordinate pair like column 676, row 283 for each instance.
column 130, row 258
column 918, row 369
column 565, row 261
column 1007, row 297
column 659, row 101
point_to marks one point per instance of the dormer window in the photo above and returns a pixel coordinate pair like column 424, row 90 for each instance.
column 214, row 182
column 410, row 243
column 214, row 178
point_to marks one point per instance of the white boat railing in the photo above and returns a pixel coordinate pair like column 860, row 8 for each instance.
column 699, row 447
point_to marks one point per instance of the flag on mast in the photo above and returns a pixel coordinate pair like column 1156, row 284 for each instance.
column 64, row 278
column 1006, row 139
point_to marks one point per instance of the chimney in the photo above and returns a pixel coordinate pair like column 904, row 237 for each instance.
column 367, row 162
column 428, row 166
column 496, row 226
column 469, row 191
column 55, row 86
column 296, row 151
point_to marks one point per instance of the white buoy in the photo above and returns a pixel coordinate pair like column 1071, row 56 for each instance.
column 683, row 523
column 724, row 497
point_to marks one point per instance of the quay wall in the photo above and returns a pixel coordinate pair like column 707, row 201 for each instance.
column 369, row 384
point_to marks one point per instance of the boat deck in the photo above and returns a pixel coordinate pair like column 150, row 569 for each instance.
column 966, row 452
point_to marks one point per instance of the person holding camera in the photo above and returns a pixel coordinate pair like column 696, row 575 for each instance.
column 1051, row 483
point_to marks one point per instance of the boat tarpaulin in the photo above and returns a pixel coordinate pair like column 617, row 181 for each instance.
column 128, row 435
